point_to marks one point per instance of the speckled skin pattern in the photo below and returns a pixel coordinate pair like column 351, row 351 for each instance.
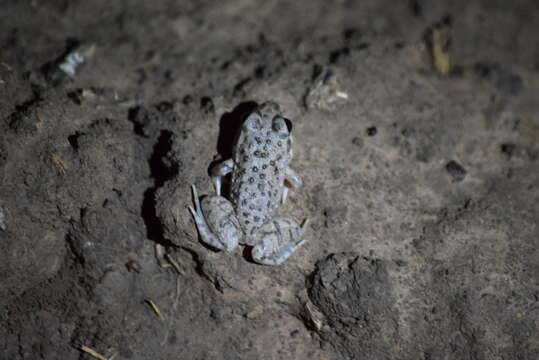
column 258, row 168
column 261, row 156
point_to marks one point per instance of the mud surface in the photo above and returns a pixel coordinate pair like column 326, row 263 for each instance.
column 421, row 186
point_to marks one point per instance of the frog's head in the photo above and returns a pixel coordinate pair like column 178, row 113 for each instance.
column 267, row 117
column 267, row 123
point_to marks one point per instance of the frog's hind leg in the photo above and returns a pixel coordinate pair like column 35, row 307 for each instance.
column 277, row 240
column 216, row 221
column 219, row 171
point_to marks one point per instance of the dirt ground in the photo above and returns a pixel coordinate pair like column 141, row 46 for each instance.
column 416, row 128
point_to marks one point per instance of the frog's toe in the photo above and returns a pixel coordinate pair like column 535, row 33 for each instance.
column 218, row 172
column 284, row 195
column 216, row 181
column 293, row 178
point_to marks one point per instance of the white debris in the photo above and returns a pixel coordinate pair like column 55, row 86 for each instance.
column 75, row 59
column 3, row 221
column 325, row 92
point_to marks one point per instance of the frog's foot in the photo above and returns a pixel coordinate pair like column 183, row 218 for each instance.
column 292, row 180
column 219, row 171
column 216, row 221
column 277, row 240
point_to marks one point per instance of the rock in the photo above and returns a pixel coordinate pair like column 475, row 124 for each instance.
column 455, row 170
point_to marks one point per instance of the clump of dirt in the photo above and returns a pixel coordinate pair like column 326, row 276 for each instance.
column 355, row 296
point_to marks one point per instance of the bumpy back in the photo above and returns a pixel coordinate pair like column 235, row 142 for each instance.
column 261, row 156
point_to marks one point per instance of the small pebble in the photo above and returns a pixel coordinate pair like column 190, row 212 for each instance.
column 457, row 172
column 357, row 141
column 371, row 131
column 508, row 149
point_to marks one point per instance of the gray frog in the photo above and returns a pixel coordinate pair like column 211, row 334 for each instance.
column 259, row 168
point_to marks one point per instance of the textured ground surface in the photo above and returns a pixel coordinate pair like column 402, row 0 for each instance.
column 422, row 188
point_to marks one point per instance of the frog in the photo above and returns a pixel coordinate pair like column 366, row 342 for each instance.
column 260, row 178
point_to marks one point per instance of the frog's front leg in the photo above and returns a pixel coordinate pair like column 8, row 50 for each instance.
column 277, row 240
column 219, row 171
column 216, row 221
column 293, row 180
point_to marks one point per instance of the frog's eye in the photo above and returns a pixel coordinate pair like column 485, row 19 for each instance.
column 282, row 126
column 253, row 122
